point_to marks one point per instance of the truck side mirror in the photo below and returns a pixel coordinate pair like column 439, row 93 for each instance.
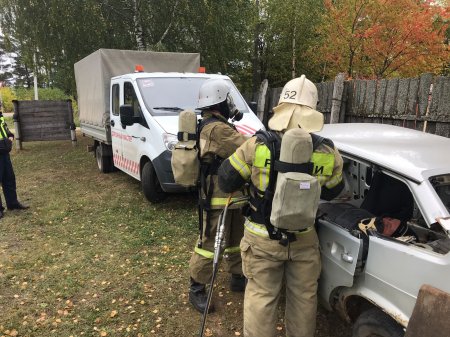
column 126, row 114
column 253, row 106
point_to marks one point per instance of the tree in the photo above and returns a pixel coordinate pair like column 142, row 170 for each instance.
column 6, row 67
column 382, row 38
column 288, row 31
column 61, row 32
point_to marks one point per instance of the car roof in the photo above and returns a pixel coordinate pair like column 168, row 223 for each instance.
column 411, row 153
column 171, row 74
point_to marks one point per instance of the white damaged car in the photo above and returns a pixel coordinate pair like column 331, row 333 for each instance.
column 387, row 234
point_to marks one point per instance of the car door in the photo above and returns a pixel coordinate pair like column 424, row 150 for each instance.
column 134, row 135
column 341, row 254
column 341, row 251
column 116, row 128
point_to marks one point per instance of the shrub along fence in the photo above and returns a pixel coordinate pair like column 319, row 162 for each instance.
column 421, row 103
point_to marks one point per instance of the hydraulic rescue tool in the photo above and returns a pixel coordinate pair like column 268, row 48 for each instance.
column 219, row 243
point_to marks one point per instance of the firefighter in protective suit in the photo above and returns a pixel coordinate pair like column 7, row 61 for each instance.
column 268, row 262
column 218, row 139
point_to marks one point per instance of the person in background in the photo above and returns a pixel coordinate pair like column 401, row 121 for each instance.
column 7, row 177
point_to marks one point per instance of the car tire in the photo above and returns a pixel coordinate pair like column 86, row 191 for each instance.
column 150, row 184
column 104, row 162
column 375, row 323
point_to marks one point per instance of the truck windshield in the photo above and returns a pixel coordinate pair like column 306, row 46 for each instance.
column 170, row 95
column 441, row 185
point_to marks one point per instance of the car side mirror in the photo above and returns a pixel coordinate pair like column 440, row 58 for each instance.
column 253, row 106
column 126, row 115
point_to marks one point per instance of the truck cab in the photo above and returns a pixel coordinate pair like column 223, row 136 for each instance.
column 144, row 123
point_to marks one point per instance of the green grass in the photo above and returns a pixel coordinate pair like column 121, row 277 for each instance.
column 91, row 257
column 89, row 246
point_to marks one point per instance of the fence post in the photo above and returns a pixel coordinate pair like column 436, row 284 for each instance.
column 262, row 99
column 338, row 89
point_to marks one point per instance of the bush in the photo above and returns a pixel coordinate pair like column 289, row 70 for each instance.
column 7, row 95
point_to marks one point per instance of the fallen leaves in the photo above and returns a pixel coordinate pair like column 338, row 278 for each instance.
column 12, row 332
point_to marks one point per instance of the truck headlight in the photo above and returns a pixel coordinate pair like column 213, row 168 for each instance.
column 170, row 141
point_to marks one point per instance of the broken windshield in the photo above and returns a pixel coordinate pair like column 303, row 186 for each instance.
column 169, row 95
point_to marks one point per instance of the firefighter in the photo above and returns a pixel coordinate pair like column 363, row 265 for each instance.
column 218, row 139
column 268, row 261
column 7, row 177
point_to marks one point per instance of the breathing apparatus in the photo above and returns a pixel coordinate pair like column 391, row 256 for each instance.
column 229, row 110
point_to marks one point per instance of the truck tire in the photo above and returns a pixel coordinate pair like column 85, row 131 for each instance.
column 375, row 323
column 104, row 162
column 150, row 184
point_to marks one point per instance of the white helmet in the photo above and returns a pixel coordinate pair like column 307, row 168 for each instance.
column 300, row 91
column 212, row 92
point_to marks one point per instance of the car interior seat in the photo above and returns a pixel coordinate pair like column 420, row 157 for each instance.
column 389, row 197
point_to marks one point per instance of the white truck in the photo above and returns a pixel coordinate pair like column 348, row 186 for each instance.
column 132, row 114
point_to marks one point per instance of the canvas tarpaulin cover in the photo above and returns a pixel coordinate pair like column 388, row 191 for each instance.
column 94, row 72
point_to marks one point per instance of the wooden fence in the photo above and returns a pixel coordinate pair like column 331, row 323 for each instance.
column 43, row 120
column 419, row 103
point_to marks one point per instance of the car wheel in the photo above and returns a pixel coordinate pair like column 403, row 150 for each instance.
column 104, row 162
column 375, row 323
column 150, row 184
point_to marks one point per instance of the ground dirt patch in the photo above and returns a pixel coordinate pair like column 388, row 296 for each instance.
column 91, row 257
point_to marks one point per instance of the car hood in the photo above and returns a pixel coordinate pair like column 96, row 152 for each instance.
column 414, row 154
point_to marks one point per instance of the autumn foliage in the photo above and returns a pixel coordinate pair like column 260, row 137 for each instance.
column 382, row 38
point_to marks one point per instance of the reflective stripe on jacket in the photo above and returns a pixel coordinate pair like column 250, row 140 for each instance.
column 4, row 131
column 210, row 255
column 261, row 230
column 252, row 162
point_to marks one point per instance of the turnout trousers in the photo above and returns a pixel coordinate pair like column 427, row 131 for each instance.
column 267, row 266
column 200, row 265
column 8, row 181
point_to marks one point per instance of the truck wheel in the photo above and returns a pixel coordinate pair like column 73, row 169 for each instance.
column 150, row 184
column 375, row 323
column 105, row 163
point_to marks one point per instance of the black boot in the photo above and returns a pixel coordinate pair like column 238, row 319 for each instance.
column 238, row 282
column 18, row 205
column 198, row 297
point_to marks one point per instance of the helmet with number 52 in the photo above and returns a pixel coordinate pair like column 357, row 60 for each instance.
column 297, row 107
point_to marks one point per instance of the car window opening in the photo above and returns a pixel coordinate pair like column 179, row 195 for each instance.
column 372, row 194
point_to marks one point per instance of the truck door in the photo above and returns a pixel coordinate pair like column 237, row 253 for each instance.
column 134, row 135
column 116, row 128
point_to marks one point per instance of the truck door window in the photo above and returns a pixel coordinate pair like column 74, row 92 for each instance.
column 131, row 98
column 115, row 95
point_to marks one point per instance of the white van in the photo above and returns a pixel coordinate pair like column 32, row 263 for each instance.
column 141, row 145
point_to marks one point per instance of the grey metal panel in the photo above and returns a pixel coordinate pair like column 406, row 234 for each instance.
column 96, row 132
